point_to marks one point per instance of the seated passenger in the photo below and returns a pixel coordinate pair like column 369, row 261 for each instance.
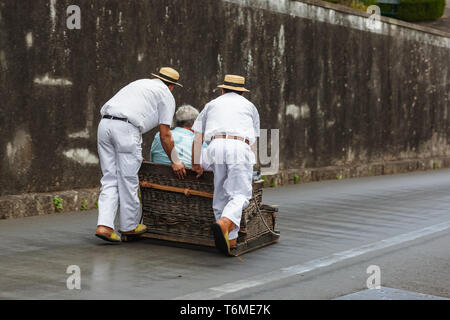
column 183, row 136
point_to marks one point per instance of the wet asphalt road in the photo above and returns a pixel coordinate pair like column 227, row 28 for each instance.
column 332, row 231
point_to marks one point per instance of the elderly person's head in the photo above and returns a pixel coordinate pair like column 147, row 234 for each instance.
column 185, row 116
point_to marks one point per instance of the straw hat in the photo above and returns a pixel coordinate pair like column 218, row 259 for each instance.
column 233, row 82
column 168, row 75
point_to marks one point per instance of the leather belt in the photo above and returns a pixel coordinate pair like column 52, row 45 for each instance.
column 115, row 118
column 224, row 136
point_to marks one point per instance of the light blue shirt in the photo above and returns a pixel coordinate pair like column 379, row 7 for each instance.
column 183, row 139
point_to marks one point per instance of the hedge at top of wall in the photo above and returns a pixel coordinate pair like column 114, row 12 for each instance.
column 417, row 10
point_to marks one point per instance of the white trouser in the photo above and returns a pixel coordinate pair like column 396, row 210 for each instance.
column 120, row 152
column 232, row 163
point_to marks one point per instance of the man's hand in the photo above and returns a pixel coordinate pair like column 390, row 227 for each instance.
column 196, row 153
column 197, row 168
column 179, row 169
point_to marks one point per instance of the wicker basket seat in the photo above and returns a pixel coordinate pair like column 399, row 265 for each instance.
column 181, row 210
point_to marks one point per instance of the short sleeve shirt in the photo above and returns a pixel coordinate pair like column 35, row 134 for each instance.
column 146, row 103
column 230, row 114
column 182, row 138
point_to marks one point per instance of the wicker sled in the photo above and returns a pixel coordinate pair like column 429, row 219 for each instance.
column 180, row 211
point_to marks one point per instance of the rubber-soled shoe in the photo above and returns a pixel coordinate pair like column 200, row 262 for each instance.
column 140, row 229
column 113, row 237
column 221, row 239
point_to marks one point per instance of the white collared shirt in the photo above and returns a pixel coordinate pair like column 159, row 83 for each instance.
column 230, row 114
column 146, row 103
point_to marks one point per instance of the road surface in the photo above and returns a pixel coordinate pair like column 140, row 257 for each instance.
column 332, row 231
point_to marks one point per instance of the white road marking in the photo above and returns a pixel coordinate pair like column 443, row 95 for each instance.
column 266, row 278
column 385, row 293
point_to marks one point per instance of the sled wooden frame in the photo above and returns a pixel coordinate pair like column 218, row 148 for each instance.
column 186, row 191
column 164, row 198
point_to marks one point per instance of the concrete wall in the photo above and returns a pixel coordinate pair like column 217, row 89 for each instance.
column 340, row 94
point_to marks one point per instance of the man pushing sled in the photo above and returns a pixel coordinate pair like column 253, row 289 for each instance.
column 133, row 111
column 230, row 124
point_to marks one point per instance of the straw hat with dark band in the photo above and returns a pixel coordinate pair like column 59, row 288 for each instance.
column 168, row 75
column 233, row 82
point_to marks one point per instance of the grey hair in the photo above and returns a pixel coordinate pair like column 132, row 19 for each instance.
column 185, row 116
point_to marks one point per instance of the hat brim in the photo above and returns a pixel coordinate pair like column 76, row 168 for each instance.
column 224, row 86
column 165, row 80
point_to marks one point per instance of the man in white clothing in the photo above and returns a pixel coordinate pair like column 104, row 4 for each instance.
column 230, row 124
column 135, row 109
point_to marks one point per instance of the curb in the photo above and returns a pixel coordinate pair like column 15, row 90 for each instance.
column 306, row 175
column 36, row 204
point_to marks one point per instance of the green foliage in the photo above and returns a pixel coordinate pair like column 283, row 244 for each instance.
column 266, row 182
column 369, row 3
column 84, row 205
column 361, row 5
column 417, row 10
column 408, row 10
column 435, row 165
column 58, row 203
column 296, row 178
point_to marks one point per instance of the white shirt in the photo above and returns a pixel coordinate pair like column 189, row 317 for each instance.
column 230, row 114
column 145, row 103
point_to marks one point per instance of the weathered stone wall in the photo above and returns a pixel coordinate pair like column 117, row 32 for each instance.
column 340, row 94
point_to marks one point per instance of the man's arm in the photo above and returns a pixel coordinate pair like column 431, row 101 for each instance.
column 196, row 152
column 169, row 147
column 199, row 130
column 256, row 127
